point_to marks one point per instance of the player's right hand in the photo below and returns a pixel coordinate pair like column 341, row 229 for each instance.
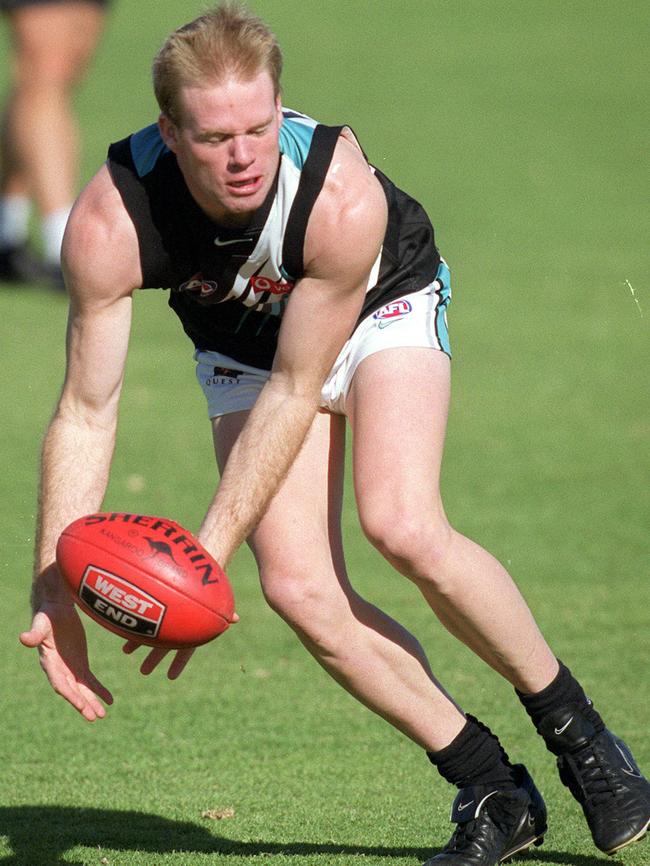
column 59, row 636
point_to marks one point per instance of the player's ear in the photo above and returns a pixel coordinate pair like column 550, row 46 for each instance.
column 168, row 132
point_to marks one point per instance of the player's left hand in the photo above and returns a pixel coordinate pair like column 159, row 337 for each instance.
column 157, row 654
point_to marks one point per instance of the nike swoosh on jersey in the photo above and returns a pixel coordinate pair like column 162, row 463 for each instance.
column 220, row 243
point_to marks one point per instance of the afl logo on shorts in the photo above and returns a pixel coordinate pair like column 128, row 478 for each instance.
column 392, row 312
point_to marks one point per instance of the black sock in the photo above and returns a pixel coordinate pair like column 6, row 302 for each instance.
column 564, row 691
column 474, row 757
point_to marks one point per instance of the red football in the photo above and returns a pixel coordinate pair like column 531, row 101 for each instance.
column 145, row 578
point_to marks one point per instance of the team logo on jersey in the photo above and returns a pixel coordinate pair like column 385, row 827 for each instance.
column 275, row 287
column 203, row 288
column 392, row 312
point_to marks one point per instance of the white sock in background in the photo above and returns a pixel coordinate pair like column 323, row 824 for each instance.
column 14, row 220
column 52, row 229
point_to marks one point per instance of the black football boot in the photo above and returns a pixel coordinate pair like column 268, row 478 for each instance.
column 20, row 265
column 493, row 823
column 602, row 775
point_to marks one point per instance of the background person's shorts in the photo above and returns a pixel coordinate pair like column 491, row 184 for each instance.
column 418, row 319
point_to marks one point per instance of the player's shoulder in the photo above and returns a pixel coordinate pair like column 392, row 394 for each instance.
column 100, row 246
column 139, row 153
column 297, row 136
column 350, row 190
column 99, row 210
column 301, row 135
column 323, row 178
column 349, row 218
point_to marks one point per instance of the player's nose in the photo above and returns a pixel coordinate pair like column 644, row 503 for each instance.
column 241, row 152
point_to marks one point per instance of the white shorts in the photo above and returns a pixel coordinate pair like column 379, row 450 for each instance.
column 417, row 319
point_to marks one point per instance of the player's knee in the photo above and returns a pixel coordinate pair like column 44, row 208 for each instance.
column 414, row 541
column 53, row 70
column 290, row 593
column 307, row 606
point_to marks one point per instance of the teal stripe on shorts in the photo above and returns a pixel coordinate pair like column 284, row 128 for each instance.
column 443, row 277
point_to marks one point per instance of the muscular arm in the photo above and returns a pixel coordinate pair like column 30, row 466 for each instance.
column 100, row 261
column 101, row 266
column 344, row 235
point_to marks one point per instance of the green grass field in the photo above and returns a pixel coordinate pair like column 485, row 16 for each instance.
column 522, row 126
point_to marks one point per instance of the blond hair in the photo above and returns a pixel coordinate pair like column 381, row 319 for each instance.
column 224, row 41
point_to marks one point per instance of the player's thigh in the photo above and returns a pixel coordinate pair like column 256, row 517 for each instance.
column 55, row 41
column 398, row 406
column 300, row 531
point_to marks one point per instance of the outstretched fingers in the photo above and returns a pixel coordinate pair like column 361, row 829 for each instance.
column 156, row 656
column 85, row 698
column 181, row 659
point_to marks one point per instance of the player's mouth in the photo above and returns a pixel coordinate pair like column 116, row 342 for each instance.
column 245, row 186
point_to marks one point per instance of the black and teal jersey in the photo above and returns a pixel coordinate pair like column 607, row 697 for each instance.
column 230, row 287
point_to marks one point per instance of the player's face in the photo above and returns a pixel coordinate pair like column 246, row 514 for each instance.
column 226, row 144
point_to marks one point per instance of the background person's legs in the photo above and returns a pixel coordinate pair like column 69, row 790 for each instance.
column 53, row 43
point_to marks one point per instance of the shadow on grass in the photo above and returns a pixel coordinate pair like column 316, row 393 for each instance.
column 559, row 858
column 41, row 835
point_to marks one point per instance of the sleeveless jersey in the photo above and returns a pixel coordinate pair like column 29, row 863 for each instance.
column 229, row 287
